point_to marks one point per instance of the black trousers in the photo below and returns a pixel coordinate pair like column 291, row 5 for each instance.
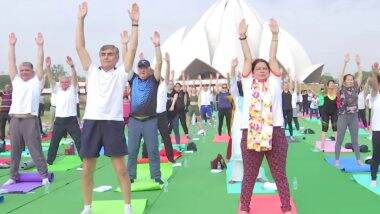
column 288, row 117
column 375, row 154
column 4, row 118
column 362, row 117
column 224, row 112
column 41, row 110
column 182, row 119
column 305, row 108
column 63, row 125
column 369, row 117
column 295, row 119
column 163, row 128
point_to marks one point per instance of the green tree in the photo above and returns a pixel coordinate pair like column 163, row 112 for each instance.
column 4, row 79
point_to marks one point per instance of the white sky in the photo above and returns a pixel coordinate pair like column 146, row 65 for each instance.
column 325, row 28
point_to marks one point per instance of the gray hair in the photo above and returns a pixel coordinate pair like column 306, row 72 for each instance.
column 109, row 47
column 27, row 64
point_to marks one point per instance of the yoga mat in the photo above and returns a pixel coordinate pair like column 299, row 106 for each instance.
column 236, row 187
column 183, row 140
column 66, row 163
column 117, row 206
column 266, row 204
column 295, row 133
column 330, row 147
column 365, row 180
column 26, row 183
column 348, row 164
column 221, row 138
column 24, row 154
column 163, row 159
column 47, row 137
column 144, row 182
column 5, row 161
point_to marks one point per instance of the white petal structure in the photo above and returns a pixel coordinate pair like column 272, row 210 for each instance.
column 213, row 42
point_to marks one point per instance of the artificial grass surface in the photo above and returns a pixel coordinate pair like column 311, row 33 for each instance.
column 193, row 189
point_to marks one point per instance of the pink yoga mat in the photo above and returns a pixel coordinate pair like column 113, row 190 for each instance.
column 5, row 161
column 268, row 204
column 26, row 183
column 183, row 140
column 221, row 138
column 330, row 147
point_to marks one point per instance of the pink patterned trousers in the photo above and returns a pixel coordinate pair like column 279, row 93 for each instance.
column 277, row 164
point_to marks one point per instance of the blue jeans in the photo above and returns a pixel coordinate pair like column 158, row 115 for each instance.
column 148, row 131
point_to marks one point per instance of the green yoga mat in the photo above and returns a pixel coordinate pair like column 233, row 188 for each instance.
column 236, row 187
column 64, row 164
column 24, row 154
column 144, row 182
column 295, row 133
column 365, row 180
column 117, row 206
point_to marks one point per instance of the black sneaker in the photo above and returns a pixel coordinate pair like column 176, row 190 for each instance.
column 159, row 181
column 132, row 180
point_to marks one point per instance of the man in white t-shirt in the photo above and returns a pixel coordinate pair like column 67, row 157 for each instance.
column 205, row 100
column 66, row 113
column 24, row 126
column 103, row 124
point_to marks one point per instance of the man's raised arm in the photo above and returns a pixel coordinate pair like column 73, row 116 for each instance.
column 80, row 39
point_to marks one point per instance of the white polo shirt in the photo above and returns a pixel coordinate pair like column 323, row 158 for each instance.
column 105, row 93
column 369, row 98
column 162, row 97
column 25, row 96
column 66, row 105
column 206, row 97
column 275, row 87
column 361, row 100
column 375, row 120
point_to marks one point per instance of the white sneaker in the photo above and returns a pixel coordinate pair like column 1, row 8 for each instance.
column 177, row 164
column 201, row 132
column 45, row 181
column 127, row 209
column 9, row 182
column 292, row 138
column 86, row 211
column 373, row 184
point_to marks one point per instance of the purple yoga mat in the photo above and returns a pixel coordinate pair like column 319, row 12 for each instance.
column 26, row 183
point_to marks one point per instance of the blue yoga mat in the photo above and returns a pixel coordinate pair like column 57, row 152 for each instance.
column 236, row 187
column 365, row 180
column 348, row 164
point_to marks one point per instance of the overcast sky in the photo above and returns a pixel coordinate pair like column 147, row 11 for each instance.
column 325, row 28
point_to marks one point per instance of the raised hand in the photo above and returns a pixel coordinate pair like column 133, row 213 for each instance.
column 141, row 56
column 376, row 67
column 357, row 59
column 273, row 25
column 167, row 57
column 217, row 75
column 82, row 10
column 12, row 39
column 346, row 57
column 155, row 39
column 48, row 61
column 242, row 28
column 69, row 61
column 134, row 13
column 235, row 63
column 199, row 77
column 40, row 39
column 124, row 37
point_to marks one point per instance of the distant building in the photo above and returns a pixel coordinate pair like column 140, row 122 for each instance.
column 211, row 44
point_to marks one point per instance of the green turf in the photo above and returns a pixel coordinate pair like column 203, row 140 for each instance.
column 193, row 189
